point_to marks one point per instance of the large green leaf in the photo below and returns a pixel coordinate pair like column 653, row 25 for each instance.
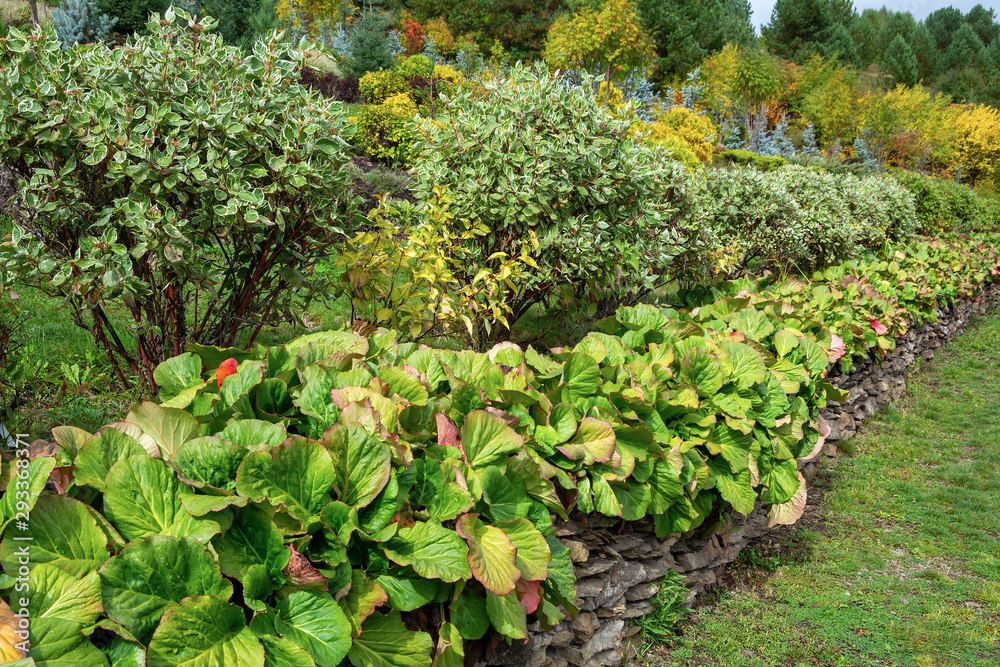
column 432, row 550
column 143, row 499
column 736, row 489
column 404, row 383
column 533, row 553
column 664, row 487
column 100, row 453
column 209, row 460
column 148, row 577
column 63, row 609
column 702, row 369
column 169, row 427
column 361, row 463
column 507, row 615
column 298, row 474
column 733, row 445
column 468, row 614
column 124, row 653
column 25, row 486
column 253, row 434
column 204, row 632
column 359, row 603
column 748, row 364
column 752, row 323
column 593, row 442
column 253, row 539
column 506, row 495
column 487, row 439
column 581, row 375
column 450, row 649
column 62, row 531
column 406, row 590
column 386, row 642
column 280, row 652
column 492, row 556
column 176, row 374
column 314, row 621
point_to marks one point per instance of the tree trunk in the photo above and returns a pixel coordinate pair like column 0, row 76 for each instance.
column 34, row 12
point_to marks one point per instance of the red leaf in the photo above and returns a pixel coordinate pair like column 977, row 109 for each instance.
column 527, row 593
column 225, row 369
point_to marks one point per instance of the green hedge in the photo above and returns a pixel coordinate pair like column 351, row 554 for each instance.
column 325, row 487
column 946, row 206
column 748, row 158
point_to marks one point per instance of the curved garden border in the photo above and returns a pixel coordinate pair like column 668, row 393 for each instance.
column 618, row 564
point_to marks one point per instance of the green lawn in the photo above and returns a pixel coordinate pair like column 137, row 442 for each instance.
column 903, row 567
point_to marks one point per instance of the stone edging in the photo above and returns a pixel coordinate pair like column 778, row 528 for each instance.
column 618, row 565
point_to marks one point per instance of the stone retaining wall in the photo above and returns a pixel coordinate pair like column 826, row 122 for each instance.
column 618, row 564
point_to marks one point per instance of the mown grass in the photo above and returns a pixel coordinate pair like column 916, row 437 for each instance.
column 905, row 569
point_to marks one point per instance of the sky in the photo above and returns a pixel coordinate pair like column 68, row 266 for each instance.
column 919, row 8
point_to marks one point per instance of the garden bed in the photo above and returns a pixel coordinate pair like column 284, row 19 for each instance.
column 619, row 565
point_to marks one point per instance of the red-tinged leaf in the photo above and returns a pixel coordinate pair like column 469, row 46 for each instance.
column 225, row 369
column 492, row 556
column 879, row 328
column 301, row 573
column 448, row 435
column 837, row 348
column 528, row 594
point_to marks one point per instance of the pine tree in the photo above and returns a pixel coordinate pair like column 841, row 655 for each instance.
column 81, row 22
column 687, row 32
column 809, row 147
column 840, row 45
column 983, row 21
column 896, row 23
column 796, row 28
column 925, row 50
column 368, row 46
column 990, row 60
column 943, row 24
column 964, row 49
column 865, row 38
column 899, row 62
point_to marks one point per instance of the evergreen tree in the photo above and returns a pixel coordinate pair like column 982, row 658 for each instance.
column 368, row 46
column 964, row 49
column 899, row 62
column 842, row 12
column 865, row 37
column 840, row 45
column 809, row 147
column 943, row 24
column 796, row 28
column 896, row 23
column 926, row 52
column 81, row 22
column 983, row 21
column 990, row 60
column 686, row 32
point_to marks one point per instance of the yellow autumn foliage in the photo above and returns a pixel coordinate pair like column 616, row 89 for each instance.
column 976, row 144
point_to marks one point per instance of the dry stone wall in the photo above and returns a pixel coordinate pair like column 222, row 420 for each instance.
column 618, row 565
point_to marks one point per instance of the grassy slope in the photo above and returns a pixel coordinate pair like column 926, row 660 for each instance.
column 905, row 568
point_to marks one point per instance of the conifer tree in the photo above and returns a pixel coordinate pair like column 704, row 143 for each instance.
column 899, row 62
column 990, row 60
column 81, row 22
column 686, row 32
column 840, row 45
column 964, row 49
column 943, row 24
column 925, row 50
column 896, row 23
column 865, row 38
column 796, row 28
column 983, row 21
column 368, row 46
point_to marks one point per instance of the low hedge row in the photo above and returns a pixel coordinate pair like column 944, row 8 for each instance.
column 298, row 504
